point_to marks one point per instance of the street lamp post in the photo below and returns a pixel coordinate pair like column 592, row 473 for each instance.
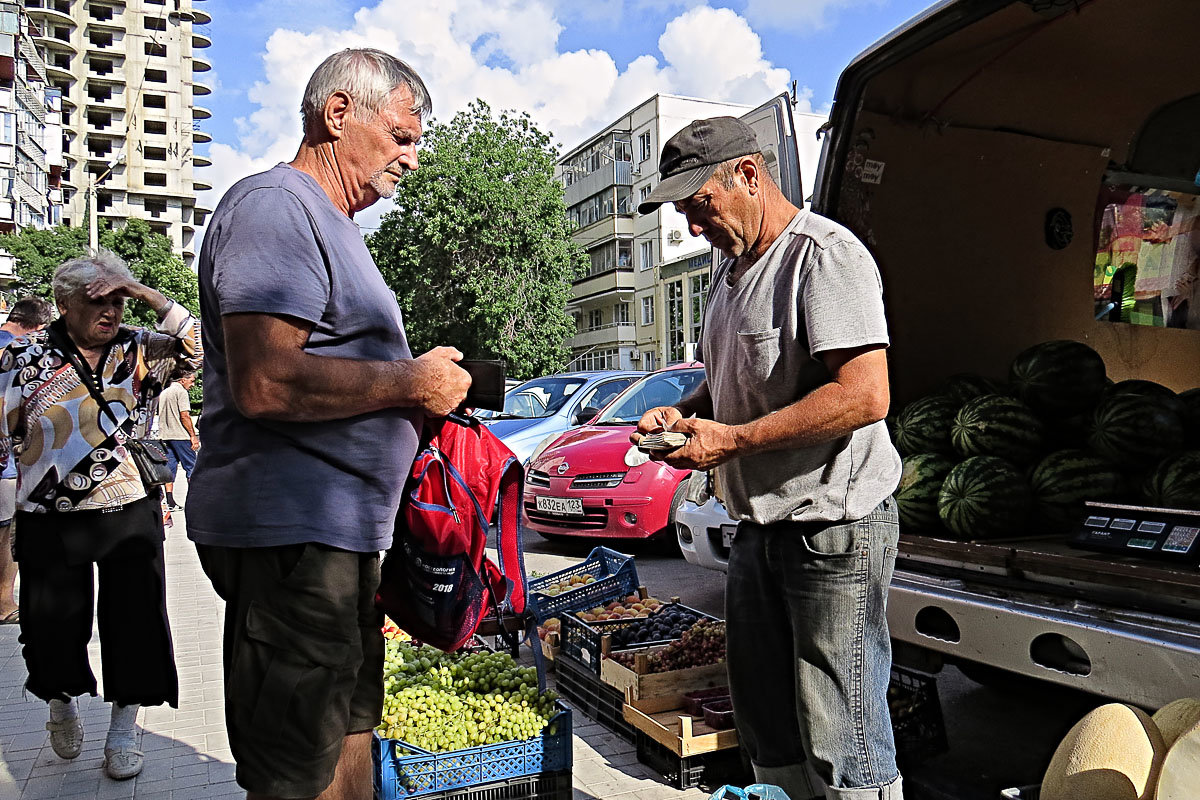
column 93, row 225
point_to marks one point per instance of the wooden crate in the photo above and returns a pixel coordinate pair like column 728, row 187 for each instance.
column 681, row 734
column 551, row 645
column 659, row 691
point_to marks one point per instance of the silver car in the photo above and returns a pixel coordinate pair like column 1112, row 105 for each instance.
column 703, row 528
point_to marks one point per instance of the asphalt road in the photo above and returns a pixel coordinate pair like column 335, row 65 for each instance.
column 998, row 736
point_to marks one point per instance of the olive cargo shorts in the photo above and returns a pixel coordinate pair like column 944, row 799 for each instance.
column 303, row 656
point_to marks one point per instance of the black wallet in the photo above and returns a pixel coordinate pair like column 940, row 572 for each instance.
column 487, row 384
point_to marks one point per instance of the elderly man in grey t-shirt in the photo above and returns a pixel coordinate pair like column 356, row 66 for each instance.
column 790, row 415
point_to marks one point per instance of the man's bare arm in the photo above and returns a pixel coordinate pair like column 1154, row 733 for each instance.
column 856, row 396
column 272, row 377
column 698, row 403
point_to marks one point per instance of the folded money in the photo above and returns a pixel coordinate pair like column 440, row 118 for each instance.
column 662, row 441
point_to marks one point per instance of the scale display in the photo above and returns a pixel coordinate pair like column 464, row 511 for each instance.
column 1166, row 533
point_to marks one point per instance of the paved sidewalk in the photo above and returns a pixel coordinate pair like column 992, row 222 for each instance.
column 187, row 752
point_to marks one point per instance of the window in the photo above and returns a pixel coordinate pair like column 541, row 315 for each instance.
column 99, row 146
column 643, row 193
column 155, row 178
column 615, row 200
column 101, row 66
column 644, row 151
column 611, row 255
column 154, row 100
column 102, row 13
column 675, row 331
column 595, row 319
column 99, row 92
column 601, row 395
column 8, row 128
column 104, row 201
column 598, row 359
column 154, row 23
column 155, row 208
column 154, row 126
column 648, row 310
column 156, row 75
column 647, row 252
column 699, row 300
column 621, row 314
column 155, row 49
column 650, row 360
column 99, row 119
column 156, row 154
column 100, row 38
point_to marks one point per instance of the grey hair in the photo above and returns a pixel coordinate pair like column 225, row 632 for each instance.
column 726, row 169
column 368, row 76
column 72, row 277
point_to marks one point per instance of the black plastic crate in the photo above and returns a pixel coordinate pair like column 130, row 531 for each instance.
column 581, row 639
column 543, row 786
column 706, row 770
column 591, row 696
column 916, row 714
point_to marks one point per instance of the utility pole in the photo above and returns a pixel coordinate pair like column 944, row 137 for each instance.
column 93, row 225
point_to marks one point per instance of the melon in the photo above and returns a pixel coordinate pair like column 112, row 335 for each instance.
column 1147, row 389
column 1059, row 378
column 1113, row 753
column 984, row 496
column 1176, row 718
column 924, row 425
column 917, row 495
column 995, row 425
column 964, row 386
column 1175, row 483
column 1180, row 777
column 1063, row 481
column 1136, row 430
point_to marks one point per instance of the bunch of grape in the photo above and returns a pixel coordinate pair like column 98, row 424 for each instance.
column 446, row 701
column 701, row 645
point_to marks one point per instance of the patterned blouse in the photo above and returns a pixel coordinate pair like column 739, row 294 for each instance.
column 70, row 456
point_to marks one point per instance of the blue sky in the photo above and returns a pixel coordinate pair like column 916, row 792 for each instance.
column 573, row 65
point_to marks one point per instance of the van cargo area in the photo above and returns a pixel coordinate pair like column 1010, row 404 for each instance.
column 970, row 151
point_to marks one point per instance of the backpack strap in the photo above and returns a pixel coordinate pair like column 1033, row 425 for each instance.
column 510, row 548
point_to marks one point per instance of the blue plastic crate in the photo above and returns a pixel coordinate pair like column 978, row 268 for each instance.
column 615, row 576
column 403, row 770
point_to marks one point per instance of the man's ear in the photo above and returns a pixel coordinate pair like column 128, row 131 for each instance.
column 337, row 111
column 749, row 171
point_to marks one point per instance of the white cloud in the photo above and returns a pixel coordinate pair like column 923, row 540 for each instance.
column 504, row 51
column 800, row 14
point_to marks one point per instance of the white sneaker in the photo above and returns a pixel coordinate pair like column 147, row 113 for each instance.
column 123, row 763
column 66, row 737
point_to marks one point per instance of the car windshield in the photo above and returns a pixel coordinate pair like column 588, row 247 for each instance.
column 659, row 389
column 538, row 398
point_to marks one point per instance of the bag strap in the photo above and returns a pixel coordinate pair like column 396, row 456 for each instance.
column 86, row 376
column 510, row 548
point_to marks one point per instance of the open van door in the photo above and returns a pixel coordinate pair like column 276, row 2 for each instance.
column 789, row 145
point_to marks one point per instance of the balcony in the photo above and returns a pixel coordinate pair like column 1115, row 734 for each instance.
column 200, row 112
column 54, row 44
column 200, row 40
column 58, row 73
column 47, row 11
column 200, row 64
column 200, row 89
column 200, row 137
column 611, row 173
column 612, row 334
column 201, row 161
column 114, row 77
column 201, row 185
column 200, row 17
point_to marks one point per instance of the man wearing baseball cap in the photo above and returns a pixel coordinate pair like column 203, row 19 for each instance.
column 790, row 416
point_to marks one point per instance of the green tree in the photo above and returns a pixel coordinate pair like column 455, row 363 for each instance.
column 39, row 252
column 478, row 249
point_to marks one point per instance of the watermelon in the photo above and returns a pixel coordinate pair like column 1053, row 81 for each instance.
column 995, row 425
column 1059, row 378
column 1136, row 430
column 985, row 496
column 917, row 494
column 1148, row 389
column 963, row 387
column 924, row 425
column 1191, row 416
column 1062, row 481
column 1175, row 483
column 1069, row 433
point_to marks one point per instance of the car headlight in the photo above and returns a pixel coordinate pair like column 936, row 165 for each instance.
column 541, row 446
column 697, row 489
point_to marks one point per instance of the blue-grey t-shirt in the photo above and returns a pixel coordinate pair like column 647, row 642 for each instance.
column 277, row 245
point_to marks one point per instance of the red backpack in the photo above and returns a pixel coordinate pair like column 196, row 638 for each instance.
column 437, row 583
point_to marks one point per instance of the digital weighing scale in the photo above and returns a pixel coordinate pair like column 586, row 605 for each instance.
column 1163, row 533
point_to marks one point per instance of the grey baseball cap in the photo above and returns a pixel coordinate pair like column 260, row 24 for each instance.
column 690, row 157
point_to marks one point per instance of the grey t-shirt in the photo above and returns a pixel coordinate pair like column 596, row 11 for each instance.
column 277, row 245
column 172, row 403
column 815, row 289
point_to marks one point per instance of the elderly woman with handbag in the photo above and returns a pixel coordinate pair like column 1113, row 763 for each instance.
column 75, row 399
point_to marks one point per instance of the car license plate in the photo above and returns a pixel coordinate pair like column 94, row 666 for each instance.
column 727, row 534
column 570, row 506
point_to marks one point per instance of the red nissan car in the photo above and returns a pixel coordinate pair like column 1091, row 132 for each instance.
column 591, row 482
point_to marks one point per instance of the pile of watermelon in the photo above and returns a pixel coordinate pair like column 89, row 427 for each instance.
column 985, row 458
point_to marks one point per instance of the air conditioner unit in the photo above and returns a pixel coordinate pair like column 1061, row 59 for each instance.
column 674, row 237
column 635, row 355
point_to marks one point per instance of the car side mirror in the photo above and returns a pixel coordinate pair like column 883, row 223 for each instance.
column 586, row 415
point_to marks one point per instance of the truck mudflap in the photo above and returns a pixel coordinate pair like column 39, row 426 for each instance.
column 1140, row 658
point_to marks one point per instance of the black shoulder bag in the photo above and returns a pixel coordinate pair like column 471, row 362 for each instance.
column 149, row 455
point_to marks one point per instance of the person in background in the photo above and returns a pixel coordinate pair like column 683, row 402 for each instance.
column 790, row 416
column 177, row 432
column 312, row 402
column 82, row 505
column 28, row 315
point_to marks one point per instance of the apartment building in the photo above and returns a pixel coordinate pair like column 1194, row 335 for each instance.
column 640, row 302
column 127, row 71
column 30, row 134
